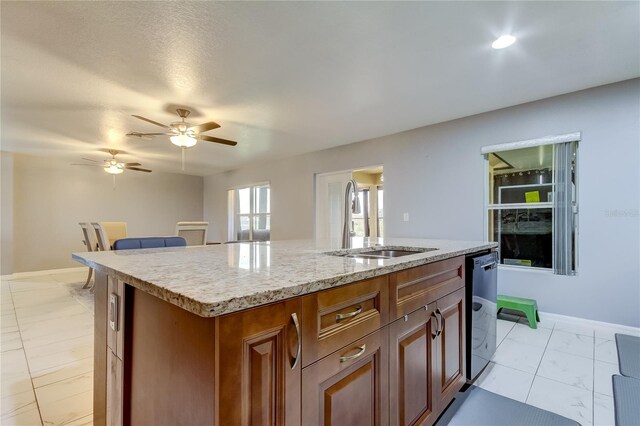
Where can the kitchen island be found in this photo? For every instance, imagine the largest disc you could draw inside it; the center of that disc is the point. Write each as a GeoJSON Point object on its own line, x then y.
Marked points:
{"type": "Point", "coordinates": [291, 332]}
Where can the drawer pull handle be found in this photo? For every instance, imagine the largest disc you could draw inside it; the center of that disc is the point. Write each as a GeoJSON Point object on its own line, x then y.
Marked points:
{"type": "Point", "coordinates": [435, 334]}
{"type": "Point", "coordinates": [440, 321]}
{"type": "Point", "coordinates": [340, 317]}
{"type": "Point", "coordinates": [362, 350]}
{"type": "Point", "coordinates": [296, 323]}
{"type": "Point", "coordinates": [113, 312]}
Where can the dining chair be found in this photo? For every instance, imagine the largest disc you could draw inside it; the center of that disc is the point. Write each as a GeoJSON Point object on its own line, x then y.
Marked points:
{"type": "Point", "coordinates": [101, 236]}
{"type": "Point", "coordinates": [108, 232]}
{"type": "Point", "coordinates": [194, 232]}
{"type": "Point", "coordinates": [88, 241]}
{"type": "Point", "coordinates": [114, 231]}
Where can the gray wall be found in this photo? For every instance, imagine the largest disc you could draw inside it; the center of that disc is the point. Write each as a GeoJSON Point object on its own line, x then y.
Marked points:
{"type": "Point", "coordinates": [49, 197]}
{"type": "Point", "coordinates": [6, 212]}
{"type": "Point", "coordinates": [435, 174]}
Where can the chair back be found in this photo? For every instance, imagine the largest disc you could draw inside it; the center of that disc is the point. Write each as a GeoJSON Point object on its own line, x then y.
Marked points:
{"type": "Point", "coordinates": [148, 242]}
{"type": "Point", "coordinates": [86, 235]}
{"type": "Point", "coordinates": [101, 236]}
{"type": "Point", "coordinates": [114, 230]}
{"type": "Point", "coordinates": [194, 232]}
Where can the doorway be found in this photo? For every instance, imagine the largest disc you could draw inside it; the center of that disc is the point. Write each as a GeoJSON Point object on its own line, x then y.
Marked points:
{"type": "Point", "coordinates": [330, 191]}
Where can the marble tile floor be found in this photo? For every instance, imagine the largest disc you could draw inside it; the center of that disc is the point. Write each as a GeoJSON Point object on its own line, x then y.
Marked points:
{"type": "Point", "coordinates": [563, 367]}
{"type": "Point", "coordinates": [47, 351]}
{"type": "Point", "coordinates": [47, 358]}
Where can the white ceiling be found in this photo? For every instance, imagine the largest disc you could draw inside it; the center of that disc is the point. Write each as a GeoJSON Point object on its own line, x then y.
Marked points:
{"type": "Point", "coordinates": [287, 78]}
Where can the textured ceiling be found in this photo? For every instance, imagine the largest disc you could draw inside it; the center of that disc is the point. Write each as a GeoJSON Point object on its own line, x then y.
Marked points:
{"type": "Point", "coordinates": [288, 77]}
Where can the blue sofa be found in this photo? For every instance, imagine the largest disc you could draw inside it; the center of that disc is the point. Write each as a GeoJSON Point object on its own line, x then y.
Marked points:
{"type": "Point", "coordinates": [148, 242]}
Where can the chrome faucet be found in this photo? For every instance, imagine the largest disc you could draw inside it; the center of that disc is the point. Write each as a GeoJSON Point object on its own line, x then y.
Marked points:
{"type": "Point", "coordinates": [351, 205]}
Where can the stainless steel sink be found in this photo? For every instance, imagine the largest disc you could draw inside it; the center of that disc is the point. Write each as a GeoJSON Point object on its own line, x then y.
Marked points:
{"type": "Point", "coordinates": [383, 253]}
{"type": "Point", "coordinates": [393, 253]}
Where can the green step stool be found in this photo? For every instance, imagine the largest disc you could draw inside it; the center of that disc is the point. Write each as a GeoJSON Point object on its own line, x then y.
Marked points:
{"type": "Point", "coordinates": [527, 306]}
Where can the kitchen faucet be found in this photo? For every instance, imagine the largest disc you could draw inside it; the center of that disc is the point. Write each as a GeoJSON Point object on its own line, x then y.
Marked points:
{"type": "Point", "coordinates": [347, 229]}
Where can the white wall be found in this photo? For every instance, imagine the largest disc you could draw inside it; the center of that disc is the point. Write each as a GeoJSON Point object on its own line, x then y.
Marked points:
{"type": "Point", "coordinates": [50, 197]}
{"type": "Point", "coordinates": [435, 174]}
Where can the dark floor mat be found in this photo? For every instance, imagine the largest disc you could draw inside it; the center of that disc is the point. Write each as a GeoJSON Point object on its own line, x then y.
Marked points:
{"type": "Point", "coordinates": [626, 398]}
{"type": "Point", "coordinates": [478, 407]}
{"type": "Point", "coordinates": [629, 355]}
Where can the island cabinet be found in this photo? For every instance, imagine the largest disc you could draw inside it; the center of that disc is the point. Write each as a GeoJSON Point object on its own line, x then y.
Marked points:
{"type": "Point", "coordinates": [108, 356]}
{"type": "Point", "coordinates": [385, 350]}
{"type": "Point", "coordinates": [258, 357]}
{"type": "Point", "coordinates": [427, 342]}
{"type": "Point", "coordinates": [345, 354]}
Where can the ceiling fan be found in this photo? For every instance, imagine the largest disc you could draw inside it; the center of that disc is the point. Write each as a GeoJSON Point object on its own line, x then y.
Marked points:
{"type": "Point", "coordinates": [113, 166]}
{"type": "Point", "coordinates": [181, 133]}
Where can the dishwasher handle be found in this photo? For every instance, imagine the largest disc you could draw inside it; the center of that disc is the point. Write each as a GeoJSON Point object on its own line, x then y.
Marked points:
{"type": "Point", "coordinates": [489, 265]}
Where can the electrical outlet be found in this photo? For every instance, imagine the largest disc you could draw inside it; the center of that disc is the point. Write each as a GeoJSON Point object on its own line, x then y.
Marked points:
{"type": "Point", "coordinates": [405, 217]}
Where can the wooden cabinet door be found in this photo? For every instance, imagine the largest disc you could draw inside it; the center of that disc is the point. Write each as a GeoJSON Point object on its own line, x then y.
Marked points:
{"type": "Point", "coordinates": [258, 366]}
{"type": "Point", "coordinates": [114, 390]}
{"type": "Point", "coordinates": [450, 347]}
{"type": "Point", "coordinates": [350, 386]}
{"type": "Point", "coordinates": [412, 363]}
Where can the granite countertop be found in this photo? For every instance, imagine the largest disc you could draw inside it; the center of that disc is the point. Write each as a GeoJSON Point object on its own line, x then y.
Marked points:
{"type": "Point", "coordinates": [219, 279]}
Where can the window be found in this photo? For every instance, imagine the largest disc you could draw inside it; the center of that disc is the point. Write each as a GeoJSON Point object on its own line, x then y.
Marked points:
{"type": "Point", "coordinates": [361, 220]}
{"type": "Point", "coordinates": [250, 213]}
{"type": "Point", "coordinates": [532, 205]}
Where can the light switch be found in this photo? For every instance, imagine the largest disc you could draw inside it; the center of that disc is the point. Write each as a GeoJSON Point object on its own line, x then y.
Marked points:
{"type": "Point", "coordinates": [405, 217]}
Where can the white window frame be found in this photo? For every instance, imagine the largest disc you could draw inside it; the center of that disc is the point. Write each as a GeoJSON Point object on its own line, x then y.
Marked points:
{"type": "Point", "coordinates": [509, 146]}
{"type": "Point", "coordinates": [232, 209]}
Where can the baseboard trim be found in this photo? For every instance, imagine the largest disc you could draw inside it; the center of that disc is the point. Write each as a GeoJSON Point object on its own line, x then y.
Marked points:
{"type": "Point", "coordinates": [589, 322]}
{"type": "Point", "coordinates": [18, 275]}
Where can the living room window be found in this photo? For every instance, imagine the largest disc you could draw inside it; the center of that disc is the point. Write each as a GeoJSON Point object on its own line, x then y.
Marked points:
{"type": "Point", "coordinates": [532, 202]}
{"type": "Point", "coordinates": [250, 213]}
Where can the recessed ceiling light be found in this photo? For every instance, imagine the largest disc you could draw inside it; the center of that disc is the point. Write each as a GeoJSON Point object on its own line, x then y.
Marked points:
{"type": "Point", "coordinates": [503, 41]}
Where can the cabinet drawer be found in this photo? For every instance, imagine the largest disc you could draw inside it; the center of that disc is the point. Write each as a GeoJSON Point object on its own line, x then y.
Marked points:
{"type": "Point", "coordinates": [350, 386]}
{"type": "Point", "coordinates": [414, 288]}
{"type": "Point", "coordinates": [334, 318]}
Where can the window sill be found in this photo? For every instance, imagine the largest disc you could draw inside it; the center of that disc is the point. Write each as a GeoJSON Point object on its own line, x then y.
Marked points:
{"type": "Point", "coordinates": [543, 271]}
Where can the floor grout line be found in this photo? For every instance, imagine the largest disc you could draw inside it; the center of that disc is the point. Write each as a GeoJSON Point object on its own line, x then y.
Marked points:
{"type": "Point", "coordinates": [31, 373]}
{"type": "Point", "coordinates": [33, 389]}
{"type": "Point", "coordinates": [540, 362]}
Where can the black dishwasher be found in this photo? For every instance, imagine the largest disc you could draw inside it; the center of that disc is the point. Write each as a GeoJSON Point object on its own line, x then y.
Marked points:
{"type": "Point", "coordinates": [481, 315]}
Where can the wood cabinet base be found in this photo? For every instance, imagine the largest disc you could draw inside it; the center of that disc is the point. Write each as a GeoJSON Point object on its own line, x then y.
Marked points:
{"type": "Point", "coordinates": [157, 364]}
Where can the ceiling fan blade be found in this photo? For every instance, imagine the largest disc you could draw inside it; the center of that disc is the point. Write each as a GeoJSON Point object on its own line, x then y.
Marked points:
{"type": "Point", "coordinates": [205, 127]}
{"type": "Point", "coordinates": [89, 159]}
{"type": "Point", "coordinates": [92, 165]}
{"type": "Point", "coordinates": [139, 134]}
{"type": "Point", "coordinates": [138, 169]}
{"type": "Point", "coordinates": [217, 140]}
{"type": "Point", "coordinates": [150, 121]}
{"type": "Point", "coordinates": [132, 164]}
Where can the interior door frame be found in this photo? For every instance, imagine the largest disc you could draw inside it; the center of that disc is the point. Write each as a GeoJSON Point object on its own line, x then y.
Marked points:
{"type": "Point", "coordinates": [317, 182]}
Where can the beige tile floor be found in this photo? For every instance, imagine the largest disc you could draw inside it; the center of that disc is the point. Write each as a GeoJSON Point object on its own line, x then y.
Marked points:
{"type": "Point", "coordinates": [47, 359]}
{"type": "Point", "coordinates": [47, 352]}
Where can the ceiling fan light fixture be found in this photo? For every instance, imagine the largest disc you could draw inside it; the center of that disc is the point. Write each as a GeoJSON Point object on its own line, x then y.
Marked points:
{"type": "Point", "coordinates": [113, 169]}
{"type": "Point", "coordinates": [503, 41]}
{"type": "Point", "coordinates": [183, 141]}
